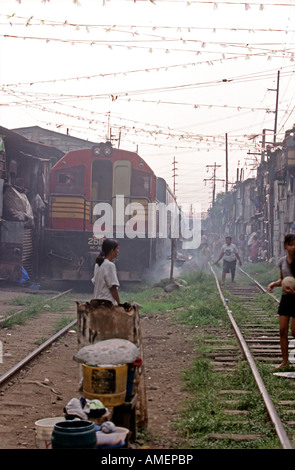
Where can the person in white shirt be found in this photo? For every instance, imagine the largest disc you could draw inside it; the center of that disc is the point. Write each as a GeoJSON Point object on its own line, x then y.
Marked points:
{"type": "Point", "coordinates": [230, 254]}
{"type": "Point", "coordinates": [105, 278]}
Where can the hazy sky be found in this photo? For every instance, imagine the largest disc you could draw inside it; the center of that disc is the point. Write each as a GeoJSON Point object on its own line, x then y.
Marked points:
{"type": "Point", "coordinates": [169, 78]}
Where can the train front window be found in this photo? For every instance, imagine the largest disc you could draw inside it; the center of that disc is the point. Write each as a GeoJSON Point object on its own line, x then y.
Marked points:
{"type": "Point", "coordinates": [101, 183]}
{"type": "Point", "coordinates": [70, 181]}
{"type": "Point", "coordinates": [140, 184]}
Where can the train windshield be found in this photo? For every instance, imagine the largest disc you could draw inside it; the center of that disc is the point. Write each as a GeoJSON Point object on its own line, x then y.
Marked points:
{"type": "Point", "coordinates": [101, 183]}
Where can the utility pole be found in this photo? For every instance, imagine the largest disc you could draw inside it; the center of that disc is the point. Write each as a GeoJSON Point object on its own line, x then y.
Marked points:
{"type": "Point", "coordinates": [174, 175]}
{"type": "Point", "coordinates": [277, 107]}
{"type": "Point", "coordinates": [213, 179]}
{"type": "Point", "coordinates": [226, 164]}
{"type": "Point", "coordinates": [263, 144]}
{"type": "Point", "coordinates": [173, 240]}
{"type": "Point", "coordinates": [109, 132]}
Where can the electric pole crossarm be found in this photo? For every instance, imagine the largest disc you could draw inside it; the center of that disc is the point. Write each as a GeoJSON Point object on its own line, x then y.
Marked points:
{"type": "Point", "coordinates": [213, 179]}
{"type": "Point", "coordinates": [174, 175]}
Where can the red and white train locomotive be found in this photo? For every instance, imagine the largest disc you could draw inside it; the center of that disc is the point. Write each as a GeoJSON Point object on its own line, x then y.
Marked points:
{"type": "Point", "coordinates": [83, 183]}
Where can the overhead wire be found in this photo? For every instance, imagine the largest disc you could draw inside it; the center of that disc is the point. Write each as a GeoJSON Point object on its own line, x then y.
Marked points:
{"type": "Point", "coordinates": [154, 90]}
{"type": "Point", "coordinates": [64, 99]}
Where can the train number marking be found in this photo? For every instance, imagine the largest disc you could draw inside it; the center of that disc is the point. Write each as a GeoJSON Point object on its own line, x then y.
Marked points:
{"type": "Point", "coordinates": [92, 241]}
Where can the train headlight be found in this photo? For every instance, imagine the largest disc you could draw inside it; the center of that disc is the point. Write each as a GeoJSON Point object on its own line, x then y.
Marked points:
{"type": "Point", "coordinates": [107, 151]}
{"type": "Point", "coordinates": [97, 151]}
{"type": "Point", "coordinates": [103, 149]}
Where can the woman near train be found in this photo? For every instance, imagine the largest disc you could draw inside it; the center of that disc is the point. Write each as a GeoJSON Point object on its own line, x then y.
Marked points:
{"type": "Point", "coordinates": [286, 309]}
{"type": "Point", "coordinates": [105, 278]}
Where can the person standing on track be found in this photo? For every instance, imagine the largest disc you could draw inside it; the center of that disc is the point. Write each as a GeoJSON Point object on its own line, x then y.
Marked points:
{"type": "Point", "coordinates": [205, 257]}
{"type": "Point", "coordinates": [286, 309]}
{"type": "Point", "coordinates": [105, 278]}
{"type": "Point", "coordinates": [230, 255]}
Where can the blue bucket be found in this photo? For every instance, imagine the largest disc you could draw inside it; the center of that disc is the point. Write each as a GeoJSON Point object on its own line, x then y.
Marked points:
{"type": "Point", "coordinates": [72, 434]}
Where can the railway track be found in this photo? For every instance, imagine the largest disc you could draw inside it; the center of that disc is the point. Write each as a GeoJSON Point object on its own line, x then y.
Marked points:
{"type": "Point", "coordinates": [31, 353]}
{"type": "Point", "coordinates": [258, 338]}
{"type": "Point", "coordinates": [17, 353]}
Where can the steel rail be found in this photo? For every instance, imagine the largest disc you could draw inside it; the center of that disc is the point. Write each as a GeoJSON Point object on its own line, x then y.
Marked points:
{"type": "Point", "coordinates": [3, 320]}
{"type": "Point", "coordinates": [281, 433]}
{"type": "Point", "coordinates": [259, 285]}
{"type": "Point", "coordinates": [16, 368]}
{"type": "Point", "coordinates": [7, 375]}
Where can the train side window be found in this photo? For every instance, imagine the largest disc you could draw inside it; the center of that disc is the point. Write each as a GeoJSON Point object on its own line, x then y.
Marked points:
{"type": "Point", "coordinates": [64, 179]}
{"type": "Point", "coordinates": [140, 184]}
{"type": "Point", "coordinates": [161, 190]}
{"type": "Point", "coordinates": [70, 181]}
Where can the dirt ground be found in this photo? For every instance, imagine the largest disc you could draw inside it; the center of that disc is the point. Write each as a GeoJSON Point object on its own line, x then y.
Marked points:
{"type": "Point", "coordinates": [43, 389]}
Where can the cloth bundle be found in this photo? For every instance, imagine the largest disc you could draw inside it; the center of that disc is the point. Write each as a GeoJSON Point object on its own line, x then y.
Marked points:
{"type": "Point", "coordinates": [84, 409]}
